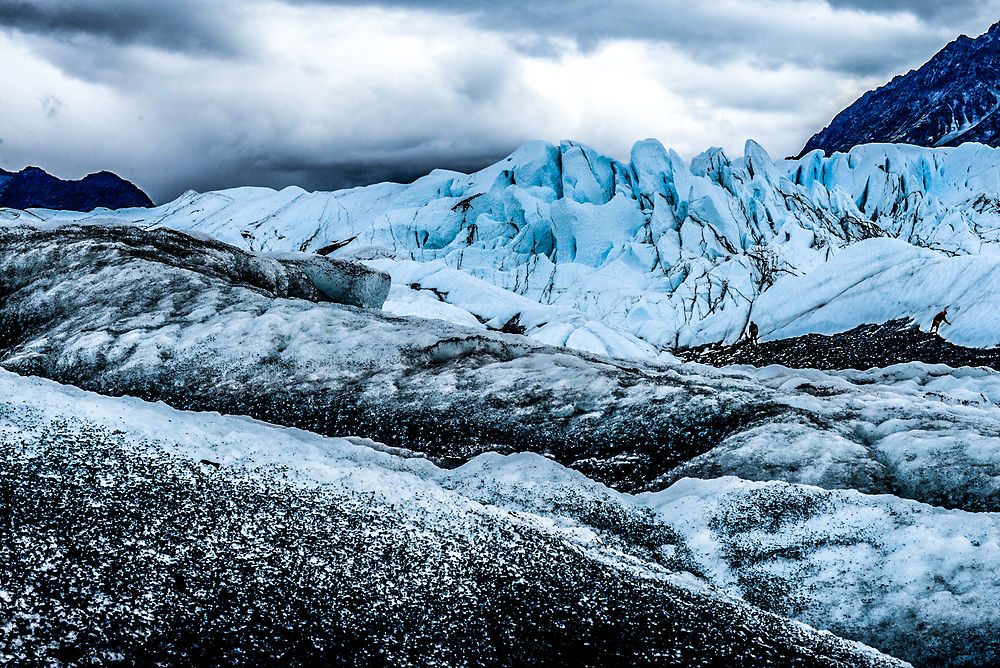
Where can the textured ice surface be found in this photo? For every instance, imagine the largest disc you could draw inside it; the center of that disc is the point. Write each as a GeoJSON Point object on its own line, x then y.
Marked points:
{"type": "Point", "coordinates": [908, 578]}
{"type": "Point", "coordinates": [653, 249]}
{"type": "Point", "coordinates": [344, 282]}
{"type": "Point", "coordinates": [876, 567]}
{"type": "Point", "coordinates": [281, 546]}
{"type": "Point", "coordinates": [201, 325]}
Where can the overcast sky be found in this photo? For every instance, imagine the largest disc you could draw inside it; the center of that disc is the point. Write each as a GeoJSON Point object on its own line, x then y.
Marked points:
{"type": "Point", "coordinates": [179, 94]}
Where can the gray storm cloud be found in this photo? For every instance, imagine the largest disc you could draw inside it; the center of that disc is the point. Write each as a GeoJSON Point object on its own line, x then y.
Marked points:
{"type": "Point", "coordinates": [774, 32]}
{"type": "Point", "coordinates": [173, 25]}
{"type": "Point", "coordinates": [177, 95]}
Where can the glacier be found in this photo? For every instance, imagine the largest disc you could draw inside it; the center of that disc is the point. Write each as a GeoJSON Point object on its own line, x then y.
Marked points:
{"type": "Point", "coordinates": [377, 557]}
{"type": "Point", "coordinates": [443, 388]}
{"type": "Point", "coordinates": [165, 316]}
{"type": "Point", "coordinates": [874, 494]}
{"type": "Point", "coordinates": [353, 536]}
{"type": "Point", "coordinates": [636, 259]}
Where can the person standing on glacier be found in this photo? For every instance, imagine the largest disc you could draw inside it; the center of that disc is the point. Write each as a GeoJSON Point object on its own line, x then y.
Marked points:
{"type": "Point", "coordinates": [752, 332]}
{"type": "Point", "coordinates": [938, 319]}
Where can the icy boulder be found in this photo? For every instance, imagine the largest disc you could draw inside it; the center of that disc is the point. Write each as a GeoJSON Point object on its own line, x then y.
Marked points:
{"type": "Point", "coordinates": [125, 247]}
{"type": "Point", "coordinates": [344, 282]}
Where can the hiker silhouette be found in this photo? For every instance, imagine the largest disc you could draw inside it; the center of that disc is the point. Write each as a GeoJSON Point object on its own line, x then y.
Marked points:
{"type": "Point", "coordinates": [938, 319]}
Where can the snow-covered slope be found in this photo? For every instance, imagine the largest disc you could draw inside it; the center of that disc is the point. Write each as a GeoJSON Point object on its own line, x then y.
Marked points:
{"type": "Point", "coordinates": [495, 451]}
{"type": "Point", "coordinates": [626, 258]}
{"type": "Point", "coordinates": [381, 556]}
{"type": "Point", "coordinates": [162, 315]}
{"type": "Point", "coordinates": [135, 534]}
{"type": "Point", "coordinates": [866, 566]}
{"type": "Point", "coordinates": [951, 99]}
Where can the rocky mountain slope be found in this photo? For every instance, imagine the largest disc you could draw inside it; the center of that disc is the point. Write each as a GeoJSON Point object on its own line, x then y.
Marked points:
{"type": "Point", "coordinates": [33, 187]}
{"type": "Point", "coordinates": [952, 99]}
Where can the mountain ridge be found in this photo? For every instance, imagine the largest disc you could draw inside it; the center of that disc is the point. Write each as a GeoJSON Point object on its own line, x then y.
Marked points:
{"type": "Point", "coordinates": [33, 187]}
{"type": "Point", "coordinates": [951, 99]}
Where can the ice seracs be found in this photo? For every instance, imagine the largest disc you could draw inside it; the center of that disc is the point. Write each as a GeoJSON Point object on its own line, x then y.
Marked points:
{"type": "Point", "coordinates": [662, 252]}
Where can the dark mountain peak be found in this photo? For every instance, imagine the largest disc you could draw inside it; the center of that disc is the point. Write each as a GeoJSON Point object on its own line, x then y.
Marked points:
{"type": "Point", "coordinates": [34, 187]}
{"type": "Point", "coordinates": [102, 177]}
{"type": "Point", "coordinates": [949, 100]}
